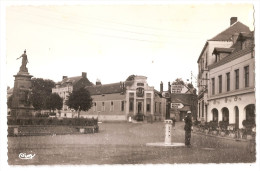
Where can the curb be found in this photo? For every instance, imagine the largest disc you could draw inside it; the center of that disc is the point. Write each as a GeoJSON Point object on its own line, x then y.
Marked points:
{"type": "Point", "coordinates": [227, 138]}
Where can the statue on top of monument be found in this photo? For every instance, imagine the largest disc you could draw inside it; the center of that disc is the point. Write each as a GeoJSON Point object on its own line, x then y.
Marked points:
{"type": "Point", "coordinates": [24, 62]}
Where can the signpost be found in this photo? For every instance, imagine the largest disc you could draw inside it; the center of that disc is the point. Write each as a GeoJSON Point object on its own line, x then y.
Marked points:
{"type": "Point", "coordinates": [177, 105]}
{"type": "Point", "coordinates": [179, 89]}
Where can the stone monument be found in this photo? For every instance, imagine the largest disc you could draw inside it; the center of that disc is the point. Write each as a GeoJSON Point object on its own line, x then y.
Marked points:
{"type": "Point", "coordinates": [21, 104]}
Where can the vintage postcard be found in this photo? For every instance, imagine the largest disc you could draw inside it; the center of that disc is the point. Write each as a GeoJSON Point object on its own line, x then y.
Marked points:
{"type": "Point", "coordinates": [129, 85]}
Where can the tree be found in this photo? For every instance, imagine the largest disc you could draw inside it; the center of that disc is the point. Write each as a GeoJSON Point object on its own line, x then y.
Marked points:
{"type": "Point", "coordinates": [130, 78]}
{"type": "Point", "coordinates": [190, 85]}
{"type": "Point", "coordinates": [41, 89]}
{"type": "Point", "coordinates": [9, 101]}
{"type": "Point", "coordinates": [53, 102]}
{"type": "Point", "coordinates": [79, 100]}
{"type": "Point", "coordinates": [178, 81]}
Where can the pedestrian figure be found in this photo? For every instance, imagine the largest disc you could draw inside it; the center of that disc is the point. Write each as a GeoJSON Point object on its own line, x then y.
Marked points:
{"type": "Point", "coordinates": [188, 128]}
{"type": "Point", "coordinates": [252, 141]}
{"type": "Point", "coordinates": [173, 122]}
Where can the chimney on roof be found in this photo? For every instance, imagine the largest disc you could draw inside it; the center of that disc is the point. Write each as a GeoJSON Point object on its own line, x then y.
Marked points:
{"type": "Point", "coordinates": [233, 20]}
{"type": "Point", "coordinates": [84, 75]}
{"type": "Point", "coordinates": [98, 82]}
{"type": "Point", "coordinates": [64, 77]}
{"type": "Point", "coordinates": [161, 87]}
{"type": "Point", "coordinates": [169, 86]}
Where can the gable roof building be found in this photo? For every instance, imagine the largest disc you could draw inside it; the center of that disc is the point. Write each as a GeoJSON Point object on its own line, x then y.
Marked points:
{"type": "Point", "coordinates": [183, 99]}
{"type": "Point", "coordinates": [66, 86]}
{"type": "Point", "coordinates": [231, 95]}
{"type": "Point", "coordinates": [214, 50]}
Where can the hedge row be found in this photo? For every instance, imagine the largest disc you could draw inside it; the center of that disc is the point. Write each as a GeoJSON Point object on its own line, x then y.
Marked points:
{"type": "Point", "coordinates": [53, 121]}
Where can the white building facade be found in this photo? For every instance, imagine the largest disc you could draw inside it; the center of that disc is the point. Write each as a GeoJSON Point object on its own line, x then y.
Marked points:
{"type": "Point", "coordinates": [231, 95]}
{"type": "Point", "coordinates": [119, 101]}
{"type": "Point", "coordinates": [225, 39]}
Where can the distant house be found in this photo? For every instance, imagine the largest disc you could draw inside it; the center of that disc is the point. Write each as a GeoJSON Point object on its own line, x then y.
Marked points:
{"type": "Point", "coordinates": [183, 99]}
{"type": "Point", "coordinates": [122, 100]}
{"type": "Point", "coordinates": [66, 86]}
{"type": "Point", "coordinates": [221, 44]}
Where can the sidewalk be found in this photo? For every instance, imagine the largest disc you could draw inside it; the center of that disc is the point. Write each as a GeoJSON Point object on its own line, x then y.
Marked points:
{"type": "Point", "coordinates": [221, 137]}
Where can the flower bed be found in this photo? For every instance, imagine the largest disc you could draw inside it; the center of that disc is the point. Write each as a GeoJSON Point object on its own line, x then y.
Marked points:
{"type": "Point", "coordinates": [224, 129]}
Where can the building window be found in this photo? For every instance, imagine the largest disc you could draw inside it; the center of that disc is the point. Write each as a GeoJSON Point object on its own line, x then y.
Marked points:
{"type": "Point", "coordinates": [148, 106]}
{"type": "Point", "coordinates": [122, 105]}
{"type": "Point", "coordinates": [237, 79]}
{"type": "Point", "coordinates": [199, 109]}
{"type": "Point", "coordinates": [140, 84]}
{"type": "Point", "coordinates": [155, 106]}
{"type": "Point", "coordinates": [246, 70]}
{"type": "Point", "coordinates": [111, 106]}
{"type": "Point", "coordinates": [206, 80]}
{"type": "Point", "coordinates": [131, 106]}
{"type": "Point", "coordinates": [216, 58]}
{"type": "Point", "coordinates": [160, 107]}
{"type": "Point", "coordinates": [220, 84]}
{"type": "Point", "coordinates": [103, 106]}
{"type": "Point", "coordinates": [94, 106]}
{"type": "Point", "coordinates": [202, 110]}
{"type": "Point", "coordinates": [206, 60]}
{"type": "Point", "coordinates": [213, 85]}
{"type": "Point", "coordinates": [228, 81]}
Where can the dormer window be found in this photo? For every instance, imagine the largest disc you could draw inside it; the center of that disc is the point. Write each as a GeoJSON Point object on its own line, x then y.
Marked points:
{"type": "Point", "coordinates": [216, 58]}
{"type": "Point", "coordinates": [221, 53]}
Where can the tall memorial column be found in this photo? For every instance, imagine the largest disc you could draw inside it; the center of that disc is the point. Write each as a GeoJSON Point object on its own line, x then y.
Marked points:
{"type": "Point", "coordinates": [21, 104]}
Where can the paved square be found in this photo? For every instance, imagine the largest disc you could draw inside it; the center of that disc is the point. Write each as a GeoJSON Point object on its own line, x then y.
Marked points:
{"type": "Point", "coordinates": [125, 143]}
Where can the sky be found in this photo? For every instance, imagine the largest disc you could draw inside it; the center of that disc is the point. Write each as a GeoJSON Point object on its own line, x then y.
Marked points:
{"type": "Point", "coordinates": [111, 42]}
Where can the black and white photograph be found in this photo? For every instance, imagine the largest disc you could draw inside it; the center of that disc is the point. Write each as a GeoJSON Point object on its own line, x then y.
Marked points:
{"type": "Point", "coordinates": [129, 84]}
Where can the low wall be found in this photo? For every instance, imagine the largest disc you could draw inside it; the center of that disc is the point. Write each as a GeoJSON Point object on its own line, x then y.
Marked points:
{"type": "Point", "coordinates": [34, 130]}
{"type": "Point", "coordinates": [107, 118]}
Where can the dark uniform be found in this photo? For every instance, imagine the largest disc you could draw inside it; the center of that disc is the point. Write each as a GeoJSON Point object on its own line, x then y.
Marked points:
{"type": "Point", "coordinates": [188, 128]}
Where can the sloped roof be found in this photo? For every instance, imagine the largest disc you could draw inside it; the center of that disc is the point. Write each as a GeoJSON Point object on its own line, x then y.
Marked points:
{"type": "Point", "coordinates": [223, 50]}
{"type": "Point", "coordinates": [158, 93]}
{"type": "Point", "coordinates": [185, 108]}
{"type": "Point", "coordinates": [73, 80]}
{"type": "Point", "coordinates": [108, 88]}
{"type": "Point", "coordinates": [232, 56]}
{"type": "Point", "coordinates": [237, 52]}
{"type": "Point", "coordinates": [181, 98]}
{"type": "Point", "coordinates": [245, 35]}
{"type": "Point", "coordinates": [226, 35]}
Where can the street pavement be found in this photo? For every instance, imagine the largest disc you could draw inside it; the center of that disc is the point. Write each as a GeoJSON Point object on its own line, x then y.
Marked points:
{"type": "Point", "coordinates": [125, 143]}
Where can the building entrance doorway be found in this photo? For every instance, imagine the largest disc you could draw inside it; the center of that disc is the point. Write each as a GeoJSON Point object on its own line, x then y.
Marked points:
{"type": "Point", "coordinates": [215, 115]}
{"type": "Point", "coordinates": [139, 107]}
{"type": "Point", "coordinates": [250, 113]}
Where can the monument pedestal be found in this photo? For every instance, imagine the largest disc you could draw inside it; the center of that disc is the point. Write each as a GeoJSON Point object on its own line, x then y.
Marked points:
{"type": "Point", "coordinates": [21, 104]}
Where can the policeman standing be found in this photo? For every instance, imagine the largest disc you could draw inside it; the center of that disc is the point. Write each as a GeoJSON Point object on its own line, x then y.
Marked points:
{"type": "Point", "coordinates": [188, 128]}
